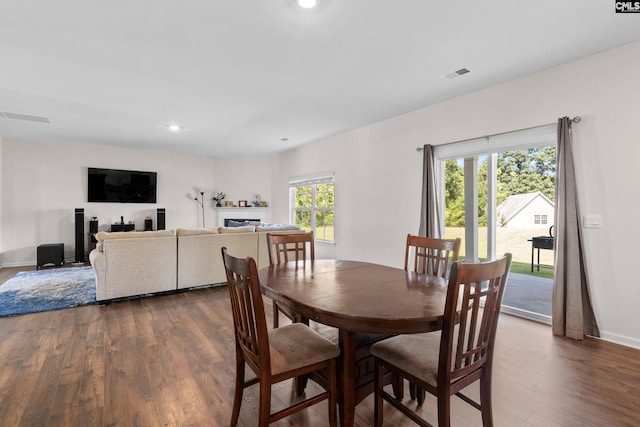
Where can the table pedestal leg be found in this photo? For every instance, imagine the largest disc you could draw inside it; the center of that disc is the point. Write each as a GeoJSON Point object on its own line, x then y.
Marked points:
{"type": "Point", "coordinates": [347, 378]}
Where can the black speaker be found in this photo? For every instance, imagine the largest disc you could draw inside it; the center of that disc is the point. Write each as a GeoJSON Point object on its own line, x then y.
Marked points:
{"type": "Point", "coordinates": [79, 235]}
{"type": "Point", "coordinates": [161, 219]}
{"type": "Point", "coordinates": [93, 225]}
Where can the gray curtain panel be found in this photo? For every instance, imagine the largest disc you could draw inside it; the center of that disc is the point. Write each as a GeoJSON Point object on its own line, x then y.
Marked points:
{"type": "Point", "coordinates": [572, 313]}
{"type": "Point", "coordinates": [429, 212]}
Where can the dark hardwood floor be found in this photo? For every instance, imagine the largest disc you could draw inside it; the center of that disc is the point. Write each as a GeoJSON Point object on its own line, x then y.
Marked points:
{"type": "Point", "coordinates": [168, 361]}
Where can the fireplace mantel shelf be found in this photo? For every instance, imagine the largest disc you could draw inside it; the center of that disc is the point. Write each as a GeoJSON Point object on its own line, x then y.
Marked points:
{"type": "Point", "coordinates": [251, 208]}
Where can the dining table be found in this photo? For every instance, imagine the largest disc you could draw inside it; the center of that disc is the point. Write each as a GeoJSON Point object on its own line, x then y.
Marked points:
{"type": "Point", "coordinates": [356, 297]}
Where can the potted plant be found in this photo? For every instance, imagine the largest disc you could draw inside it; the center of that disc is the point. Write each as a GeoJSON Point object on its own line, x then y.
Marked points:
{"type": "Point", "coordinates": [218, 198]}
{"type": "Point", "coordinates": [256, 200]}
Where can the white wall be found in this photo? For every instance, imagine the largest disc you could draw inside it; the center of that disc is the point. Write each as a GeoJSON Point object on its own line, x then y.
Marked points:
{"type": "Point", "coordinates": [242, 177]}
{"type": "Point", "coordinates": [378, 170]}
{"type": "Point", "coordinates": [43, 182]}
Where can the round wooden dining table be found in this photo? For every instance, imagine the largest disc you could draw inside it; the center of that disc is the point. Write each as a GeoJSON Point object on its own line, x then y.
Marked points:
{"type": "Point", "coordinates": [356, 297]}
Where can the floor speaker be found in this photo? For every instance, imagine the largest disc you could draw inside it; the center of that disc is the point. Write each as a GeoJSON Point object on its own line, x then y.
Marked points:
{"type": "Point", "coordinates": [161, 219]}
{"type": "Point", "coordinates": [93, 225]}
{"type": "Point", "coordinates": [79, 235]}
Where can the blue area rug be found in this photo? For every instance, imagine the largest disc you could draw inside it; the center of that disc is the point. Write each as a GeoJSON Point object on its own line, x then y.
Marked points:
{"type": "Point", "coordinates": [43, 290]}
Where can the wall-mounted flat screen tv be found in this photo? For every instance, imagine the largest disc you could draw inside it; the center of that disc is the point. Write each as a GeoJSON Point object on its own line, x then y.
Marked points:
{"type": "Point", "coordinates": [121, 186]}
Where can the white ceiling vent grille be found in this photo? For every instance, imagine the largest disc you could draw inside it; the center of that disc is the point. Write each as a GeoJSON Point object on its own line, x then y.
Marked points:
{"type": "Point", "coordinates": [27, 117]}
{"type": "Point", "coordinates": [457, 73]}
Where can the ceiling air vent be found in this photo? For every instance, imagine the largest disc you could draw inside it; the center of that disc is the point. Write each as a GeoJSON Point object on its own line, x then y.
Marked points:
{"type": "Point", "coordinates": [27, 117]}
{"type": "Point", "coordinates": [457, 73]}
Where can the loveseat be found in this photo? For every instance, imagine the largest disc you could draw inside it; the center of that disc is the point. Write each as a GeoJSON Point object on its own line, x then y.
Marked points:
{"type": "Point", "coordinates": [138, 263]}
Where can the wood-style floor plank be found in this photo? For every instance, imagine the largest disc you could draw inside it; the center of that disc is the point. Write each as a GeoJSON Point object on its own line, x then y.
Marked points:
{"type": "Point", "coordinates": [168, 361]}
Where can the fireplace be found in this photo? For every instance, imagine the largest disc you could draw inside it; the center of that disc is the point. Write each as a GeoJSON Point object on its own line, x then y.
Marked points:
{"type": "Point", "coordinates": [240, 214]}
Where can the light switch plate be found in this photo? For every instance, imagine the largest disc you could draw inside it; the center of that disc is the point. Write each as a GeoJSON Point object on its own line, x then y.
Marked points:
{"type": "Point", "coordinates": [592, 221]}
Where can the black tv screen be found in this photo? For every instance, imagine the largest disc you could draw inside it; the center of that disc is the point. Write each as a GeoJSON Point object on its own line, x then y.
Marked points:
{"type": "Point", "coordinates": [121, 186]}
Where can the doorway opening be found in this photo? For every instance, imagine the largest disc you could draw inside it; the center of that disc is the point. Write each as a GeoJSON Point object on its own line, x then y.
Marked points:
{"type": "Point", "coordinates": [501, 200]}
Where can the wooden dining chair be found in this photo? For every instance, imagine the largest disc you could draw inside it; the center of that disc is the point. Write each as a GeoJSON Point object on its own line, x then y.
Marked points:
{"type": "Point", "coordinates": [433, 256]}
{"type": "Point", "coordinates": [274, 355]}
{"type": "Point", "coordinates": [299, 247]}
{"type": "Point", "coordinates": [284, 248]}
{"type": "Point", "coordinates": [445, 362]}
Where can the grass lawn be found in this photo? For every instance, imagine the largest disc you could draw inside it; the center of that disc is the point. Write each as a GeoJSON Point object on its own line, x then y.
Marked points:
{"type": "Point", "coordinates": [514, 241]}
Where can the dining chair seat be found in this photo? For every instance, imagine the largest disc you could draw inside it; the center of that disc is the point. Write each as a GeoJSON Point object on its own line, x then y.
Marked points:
{"type": "Point", "coordinates": [416, 354]}
{"type": "Point", "coordinates": [295, 345]}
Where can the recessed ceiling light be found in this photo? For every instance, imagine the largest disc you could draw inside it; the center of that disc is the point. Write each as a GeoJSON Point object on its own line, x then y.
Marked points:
{"type": "Point", "coordinates": [307, 4]}
{"type": "Point", "coordinates": [174, 128]}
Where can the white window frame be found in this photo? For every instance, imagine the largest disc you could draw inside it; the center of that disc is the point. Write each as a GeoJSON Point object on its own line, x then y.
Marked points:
{"type": "Point", "coordinates": [314, 180]}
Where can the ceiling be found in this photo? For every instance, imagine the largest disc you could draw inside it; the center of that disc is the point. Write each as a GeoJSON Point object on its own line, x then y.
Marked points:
{"type": "Point", "coordinates": [259, 76]}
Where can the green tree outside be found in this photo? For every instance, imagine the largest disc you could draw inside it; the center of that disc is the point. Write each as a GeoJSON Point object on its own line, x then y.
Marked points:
{"type": "Point", "coordinates": [519, 172]}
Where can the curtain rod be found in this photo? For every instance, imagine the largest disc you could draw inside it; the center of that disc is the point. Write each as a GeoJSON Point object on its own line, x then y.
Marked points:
{"type": "Point", "coordinates": [576, 119]}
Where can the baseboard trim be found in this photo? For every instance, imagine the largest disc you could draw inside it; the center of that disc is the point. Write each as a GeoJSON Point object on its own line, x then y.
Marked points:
{"type": "Point", "coordinates": [620, 339]}
{"type": "Point", "coordinates": [529, 315]}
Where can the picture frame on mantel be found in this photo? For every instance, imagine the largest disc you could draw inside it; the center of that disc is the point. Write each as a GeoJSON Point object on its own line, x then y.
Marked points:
{"type": "Point", "coordinates": [242, 203]}
{"type": "Point", "coordinates": [228, 204]}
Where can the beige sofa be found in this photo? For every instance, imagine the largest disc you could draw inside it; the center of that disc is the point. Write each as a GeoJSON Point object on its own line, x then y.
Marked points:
{"type": "Point", "coordinates": [132, 263]}
{"type": "Point", "coordinates": [138, 263]}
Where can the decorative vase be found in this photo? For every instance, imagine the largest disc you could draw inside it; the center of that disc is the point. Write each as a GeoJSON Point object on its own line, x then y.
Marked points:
{"type": "Point", "coordinates": [218, 205]}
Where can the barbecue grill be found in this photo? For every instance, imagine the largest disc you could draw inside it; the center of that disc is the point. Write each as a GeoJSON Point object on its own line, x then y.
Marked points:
{"type": "Point", "coordinates": [540, 242]}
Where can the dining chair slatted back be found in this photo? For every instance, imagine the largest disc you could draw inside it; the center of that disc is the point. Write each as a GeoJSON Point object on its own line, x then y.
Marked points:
{"type": "Point", "coordinates": [474, 298]}
{"type": "Point", "coordinates": [287, 247]}
{"type": "Point", "coordinates": [430, 255]}
{"type": "Point", "coordinates": [246, 306]}
{"type": "Point", "coordinates": [289, 352]}
{"type": "Point", "coordinates": [445, 362]}
{"type": "Point", "coordinates": [290, 247]}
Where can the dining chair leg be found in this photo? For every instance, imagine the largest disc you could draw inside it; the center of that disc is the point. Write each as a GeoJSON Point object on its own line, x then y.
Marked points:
{"type": "Point", "coordinates": [397, 382]}
{"type": "Point", "coordinates": [416, 393]}
{"type": "Point", "coordinates": [444, 410]}
{"type": "Point", "coordinates": [300, 384]}
{"type": "Point", "coordinates": [332, 384]}
{"type": "Point", "coordinates": [378, 382]}
{"type": "Point", "coordinates": [485, 401]}
{"type": "Point", "coordinates": [264, 410]}
{"type": "Point", "coordinates": [237, 396]}
{"type": "Point", "coordinates": [276, 315]}
{"type": "Point", "coordinates": [420, 394]}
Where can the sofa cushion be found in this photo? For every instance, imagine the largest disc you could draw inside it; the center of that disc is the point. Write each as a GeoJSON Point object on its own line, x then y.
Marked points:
{"type": "Point", "coordinates": [277, 227]}
{"type": "Point", "coordinates": [195, 231]}
{"type": "Point", "coordinates": [105, 235]}
{"type": "Point", "coordinates": [241, 229]}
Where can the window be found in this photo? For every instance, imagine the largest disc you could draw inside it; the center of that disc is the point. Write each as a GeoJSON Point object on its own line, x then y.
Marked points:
{"type": "Point", "coordinates": [312, 205]}
{"type": "Point", "coordinates": [539, 219]}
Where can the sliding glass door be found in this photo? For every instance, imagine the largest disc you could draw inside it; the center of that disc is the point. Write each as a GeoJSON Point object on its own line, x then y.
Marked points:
{"type": "Point", "coordinates": [499, 197]}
